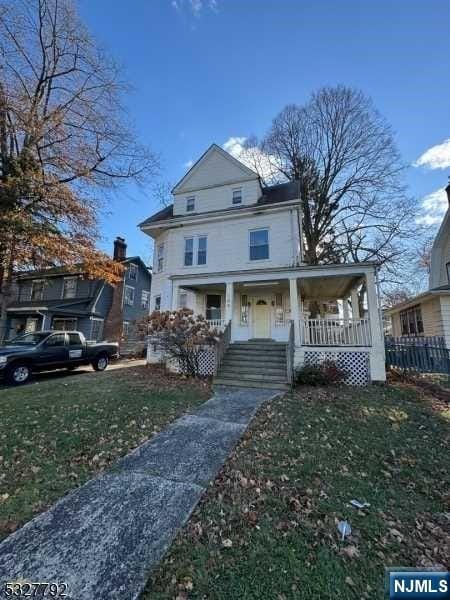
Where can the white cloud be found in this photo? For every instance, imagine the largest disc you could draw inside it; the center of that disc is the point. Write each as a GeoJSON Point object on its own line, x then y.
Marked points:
{"type": "Point", "coordinates": [436, 157]}
{"type": "Point", "coordinates": [188, 164]}
{"type": "Point", "coordinates": [433, 208]}
{"type": "Point", "coordinates": [253, 158]}
{"type": "Point", "coordinates": [196, 7]}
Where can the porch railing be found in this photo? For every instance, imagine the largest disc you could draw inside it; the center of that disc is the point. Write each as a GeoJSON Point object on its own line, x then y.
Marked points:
{"type": "Point", "coordinates": [335, 332]}
{"type": "Point", "coordinates": [222, 346]}
{"type": "Point", "coordinates": [216, 323]}
{"type": "Point", "coordinates": [290, 350]}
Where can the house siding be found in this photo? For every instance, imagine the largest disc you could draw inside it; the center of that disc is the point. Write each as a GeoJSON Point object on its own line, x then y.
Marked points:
{"type": "Point", "coordinates": [218, 198]}
{"type": "Point", "coordinates": [228, 248]}
{"type": "Point", "coordinates": [431, 317]}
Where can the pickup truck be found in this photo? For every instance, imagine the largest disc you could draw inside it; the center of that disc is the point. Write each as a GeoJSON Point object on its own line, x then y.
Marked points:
{"type": "Point", "coordinates": [47, 350]}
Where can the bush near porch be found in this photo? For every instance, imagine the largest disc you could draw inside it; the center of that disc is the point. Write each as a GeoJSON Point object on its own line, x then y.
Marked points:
{"type": "Point", "coordinates": [267, 527]}
{"type": "Point", "coordinates": [61, 431]}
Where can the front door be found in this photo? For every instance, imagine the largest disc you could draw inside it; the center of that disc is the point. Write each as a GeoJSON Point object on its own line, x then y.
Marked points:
{"type": "Point", "coordinates": [261, 320]}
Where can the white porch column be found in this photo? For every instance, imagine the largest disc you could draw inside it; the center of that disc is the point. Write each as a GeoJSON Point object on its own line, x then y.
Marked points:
{"type": "Point", "coordinates": [229, 300]}
{"type": "Point", "coordinates": [295, 312]}
{"type": "Point", "coordinates": [355, 304]}
{"type": "Point", "coordinates": [345, 309]}
{"type": "Point", "coordinates": [377, 356]}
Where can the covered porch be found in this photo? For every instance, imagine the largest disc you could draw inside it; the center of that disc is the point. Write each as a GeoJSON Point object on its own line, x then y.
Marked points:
{"type": "Point", "coordinates": [322, 309]}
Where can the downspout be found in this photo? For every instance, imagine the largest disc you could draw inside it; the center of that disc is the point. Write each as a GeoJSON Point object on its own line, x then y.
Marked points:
{"type": "Point", "coordinates": [43, 319]}
{"type": "Point", "coordinates": [380, 313]}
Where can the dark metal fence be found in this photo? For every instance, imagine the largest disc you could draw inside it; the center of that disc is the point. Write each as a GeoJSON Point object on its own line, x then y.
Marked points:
{"type": "Point", "coordinates": [424, 354]}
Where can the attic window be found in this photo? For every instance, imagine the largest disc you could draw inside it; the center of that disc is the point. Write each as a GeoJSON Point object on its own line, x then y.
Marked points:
{"type": "Point", "coordinates": [237, 196]}
{"type": "Point", "coordinates": [448, 271]}
{"type": "Point", "coordinates": [190, 204]}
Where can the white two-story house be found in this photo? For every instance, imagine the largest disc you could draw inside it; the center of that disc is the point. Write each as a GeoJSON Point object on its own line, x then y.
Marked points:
{"type": "Point", "coordinates": [231, 250]}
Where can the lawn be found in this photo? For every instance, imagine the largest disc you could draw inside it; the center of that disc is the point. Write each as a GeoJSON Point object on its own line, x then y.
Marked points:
{"type": "Point", "coordinates": [57, 433]}
{"type": "Point", "coordinates": [267, 528]}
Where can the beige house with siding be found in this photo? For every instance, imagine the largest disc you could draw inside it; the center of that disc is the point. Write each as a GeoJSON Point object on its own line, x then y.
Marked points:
{"type": "Point", "coordinates": [428, 314]}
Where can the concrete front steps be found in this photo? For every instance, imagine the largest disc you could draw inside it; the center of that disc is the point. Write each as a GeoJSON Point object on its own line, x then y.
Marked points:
{"type": "Point", "coordinates": [256, 364]}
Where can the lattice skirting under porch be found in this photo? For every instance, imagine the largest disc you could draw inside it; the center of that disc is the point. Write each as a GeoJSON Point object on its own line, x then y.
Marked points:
{"type": "Point", "coordinates": [207, 361]}
{"type": "Point", "coordinates": [355, 363]}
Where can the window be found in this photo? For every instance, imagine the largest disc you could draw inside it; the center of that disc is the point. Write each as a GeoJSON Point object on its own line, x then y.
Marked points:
{"type": "Point", "coordinates": [195, 247]}
{"type": "Point", "coordinates": [237, 196]}
{"type": "Point", "coordinates": [213, 311]}
{"type": "Point", "coordinates": [259, 244]}
{"type": "Point", "coordinates": [182, 301]}
{"type": "Point", "coordinates": [126, 328]}
{"type": "Point", "coordinates": [59, 339]}
{"type": "Point", "coordinates": [160, 258]}
{"type": "Point", "coordinates": [69, 287]}
{"type": "Point", "coordinates": [132, 272]}
{"type": "Point", "coordinates": [188, 252]}
{"type": "Point", "coordinates": [37, 290]}
{"type": "Point", "coordinates": [448, 271]}
{"type": "Point", "coordinates": [157, 302]}
{"type": "Point", "coordinates": [411, 321]}
{"type": "Point", "coordinates": [97, 329]}
{"type": "Point", "coordinates": [74, 339]}
{"type": "Point", "coordinates": [62, 324]}
{"type": "Point", "coordinates": [129, 295]}
{"type": "Point", "coordinates": [279, 312]}
{"type": "Point", "coordinates": [190, 204]}
{"type": "Point", "coordinates": [201, 253]}
{"type": "Point", "coordinates": [244, 309]}
{"type": "Point", "coordinates": [145, 299]}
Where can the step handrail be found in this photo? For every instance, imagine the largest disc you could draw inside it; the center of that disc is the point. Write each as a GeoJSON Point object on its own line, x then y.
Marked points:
{"type": "Point", "coordinates": [290, 351]}
{"type": "Point", "coordinates": [222, 346]}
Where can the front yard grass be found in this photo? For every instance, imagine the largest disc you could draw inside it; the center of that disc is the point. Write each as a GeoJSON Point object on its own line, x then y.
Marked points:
{"type": "Point", "coordinates": [57, 433]}
{"type": "Point", "coordinates": [267, 528]}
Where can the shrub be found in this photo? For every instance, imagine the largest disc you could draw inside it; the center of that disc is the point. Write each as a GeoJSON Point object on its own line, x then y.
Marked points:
{"type": "Point", "coordinates": [181, 335]}
{"type": "Point", "coordinates": [327, 373]}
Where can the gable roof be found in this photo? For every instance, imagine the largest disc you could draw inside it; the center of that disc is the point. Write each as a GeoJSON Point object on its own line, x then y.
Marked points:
{"type": "Point", "coordinates": [246, 171]}
{"type": "Point", "coordinates": [273, 194]}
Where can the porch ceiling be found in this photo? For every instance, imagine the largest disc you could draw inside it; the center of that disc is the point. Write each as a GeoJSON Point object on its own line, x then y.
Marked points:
{"type": "Point", "coordinates": [328, 288]}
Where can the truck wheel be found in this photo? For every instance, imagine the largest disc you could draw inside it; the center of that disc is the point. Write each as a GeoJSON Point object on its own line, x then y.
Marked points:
{"type": "Point", "coordinates": [101, 362]}
{"type": "Point", "coordinates": [18, 374]}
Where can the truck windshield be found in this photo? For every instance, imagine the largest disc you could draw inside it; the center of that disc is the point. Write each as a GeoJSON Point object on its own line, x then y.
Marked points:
{"type": "Point", "coordinates": [29, 339]}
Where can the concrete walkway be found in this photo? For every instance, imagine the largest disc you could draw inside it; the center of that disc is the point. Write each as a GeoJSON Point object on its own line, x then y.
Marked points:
{"type": "Point", "coordinates": [103, 539]}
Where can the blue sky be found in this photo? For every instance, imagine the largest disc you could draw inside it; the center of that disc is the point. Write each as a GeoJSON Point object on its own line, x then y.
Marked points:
{"type": "Point", "coordinates": [206, 71]}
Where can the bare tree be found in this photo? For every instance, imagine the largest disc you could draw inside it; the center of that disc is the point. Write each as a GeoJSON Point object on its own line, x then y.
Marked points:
{"type": "Point", "coordinates": [64, 138]}
{"type": "Point", "coordinates": [343, 154]}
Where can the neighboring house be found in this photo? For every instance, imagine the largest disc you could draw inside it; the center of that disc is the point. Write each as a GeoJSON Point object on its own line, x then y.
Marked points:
{"type": "Point", "coordinates": [231, 250]}
{"type": "Point", "coordinates": [428, 314]}
{"type": "Point", "coordinates": [61, 298]}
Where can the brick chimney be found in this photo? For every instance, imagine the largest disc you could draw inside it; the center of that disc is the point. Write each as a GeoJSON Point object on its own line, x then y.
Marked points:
{"type": "Point", "coordinates": [120, 249]}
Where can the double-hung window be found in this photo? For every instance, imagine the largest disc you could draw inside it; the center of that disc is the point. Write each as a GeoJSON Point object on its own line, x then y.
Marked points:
{"type": "Point", "coordinates": [160, 258]}
{"type": "Point", "coordinates": [188, 252]}
{"type": "Point", "coordinates": [190, 204]}
{"type": "Point", "coordinates": [201, 250]}
{"type": "Point", "coordinates": [145, 299]}
{"type": "Point", "coordinates": [195, 250]}
{"type": "Point", "coordinates": [129, 295]}
{"type": "Point", "coordinates": [157, 302]}
{"type": "Point", "coordinates": [411, 321]}
{"type": "Point", "coordinates": [132, 272]}
{"type": "Point", "coordinates": [237, 196]}
{"type": "Point", "coordinates": [259, 244]}
{"type": "Point", "coordinates": [37, 289]}
{"type": "Point", "coordinates": [69, 287]}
